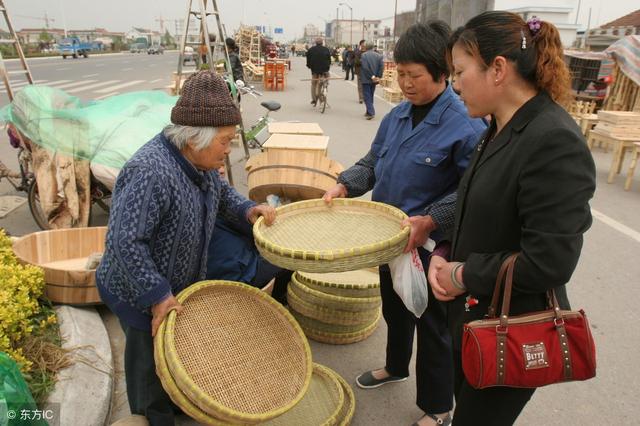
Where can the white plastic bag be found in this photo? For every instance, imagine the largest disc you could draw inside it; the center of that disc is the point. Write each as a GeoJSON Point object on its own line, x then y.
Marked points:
{"type": "Point", "coordinates": [410, 281]}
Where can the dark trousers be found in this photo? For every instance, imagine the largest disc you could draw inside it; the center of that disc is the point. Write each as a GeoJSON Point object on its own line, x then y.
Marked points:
{"type": "Point", "coordinates": [498, 406]}
{"type": "Point", "coordinates": [434, 362]}
{"type": "Point", "coordinates": [349, 68]}
{"type": "Point", "coordinates": [144, 390]}
{"type": "Point", "coordinates": [265, 272]}
{"type": "Point", "coordinates": [368, 90]}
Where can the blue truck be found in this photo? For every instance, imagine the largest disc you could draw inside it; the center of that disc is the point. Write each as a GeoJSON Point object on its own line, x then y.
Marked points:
{"type": "Point", "coordinates": [72, 46]}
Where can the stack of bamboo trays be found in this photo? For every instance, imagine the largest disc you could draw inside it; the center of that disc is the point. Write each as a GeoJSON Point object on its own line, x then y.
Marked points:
{"type": "Point", "coordinates": [619, 124]}
{"type": "Point", "coordinates": [336, 308]}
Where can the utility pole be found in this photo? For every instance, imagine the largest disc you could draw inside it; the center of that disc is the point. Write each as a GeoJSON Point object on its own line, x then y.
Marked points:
{"type": "Point", "coordinates": [395, 22]}
{"type": "Point", "coordinates": [350, 21]}
{"type": "Point", "coordinates": [337, 26]}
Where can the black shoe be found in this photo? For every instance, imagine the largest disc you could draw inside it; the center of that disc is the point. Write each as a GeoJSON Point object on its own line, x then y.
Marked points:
{"type": "Point", "coordinates": [360, 101]}
{"type": "Point", "coordinates": [369, 117]}
{"type": "Point", "coordinates": [313, 103]}
{"type": "Point", "coordinates": [367, 381]}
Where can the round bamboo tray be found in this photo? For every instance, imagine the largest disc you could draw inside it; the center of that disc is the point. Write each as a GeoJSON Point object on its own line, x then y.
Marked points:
{"type": "Point", "coordinates": [236, 353]}
{"type": "Point", "coordinates": [340, 338]}
{"type": "Point", "coordinates": [354, 304]}
{"type": "Point", "coordinates": [169, 385]}
{"type": "Point", "coordinates": [349, 406]}
{"type": "Point", "coordinates": [314, 324]}
{"type": "Point", "coordinates": [328, 315]}
{"type": "Point", "coordinates": [320, 406]}
{"type": "Point", "coordinates": [348, 235]}
{"type": "Point", "coordinates": [62, 254]}
{"type": "Point", "coordinates": [360, 283]}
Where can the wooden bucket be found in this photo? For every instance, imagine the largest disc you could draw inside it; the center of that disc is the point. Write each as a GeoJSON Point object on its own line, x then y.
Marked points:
{"type": "Point", "coordinates": [62, 254]}
{"type": "Point", "coordinates": [292, 174]}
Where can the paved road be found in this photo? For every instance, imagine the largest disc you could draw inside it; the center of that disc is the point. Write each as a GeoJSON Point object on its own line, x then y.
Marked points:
{"type": "Point", "coordinates": [605, 283]}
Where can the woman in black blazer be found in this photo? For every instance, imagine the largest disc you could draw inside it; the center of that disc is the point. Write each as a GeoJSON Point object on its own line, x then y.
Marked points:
{"type": "Point", "coordinates": [526, 190]}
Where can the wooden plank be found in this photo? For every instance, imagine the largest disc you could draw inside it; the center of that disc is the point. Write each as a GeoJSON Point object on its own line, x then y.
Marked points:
{"type": "Point", "coordinates": [309, 142]}
{"type": "Point", "coordinates": [296, 128]}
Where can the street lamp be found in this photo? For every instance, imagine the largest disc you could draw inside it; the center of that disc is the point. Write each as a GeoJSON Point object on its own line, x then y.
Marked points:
{"type": "Point", "coordinates": [350, 22]}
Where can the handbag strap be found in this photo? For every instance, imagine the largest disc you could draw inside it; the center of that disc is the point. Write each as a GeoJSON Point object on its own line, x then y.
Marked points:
{"type": "Point", "coordinates": [506, 296]}
{"type": "Point", "coordinates": [496, 291]}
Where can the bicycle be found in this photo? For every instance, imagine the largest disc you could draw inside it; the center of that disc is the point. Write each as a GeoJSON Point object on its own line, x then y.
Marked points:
{"type": "Point", "coordinates": [323, 91]}
{"type": "Point", "coordinates": [258, 133]}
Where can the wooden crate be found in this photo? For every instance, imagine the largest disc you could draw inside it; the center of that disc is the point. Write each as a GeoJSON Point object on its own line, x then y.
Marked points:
{"type": "Point", "coordinates": [308, 143]}
{"type": "Point", "coordinates": [620, 118]}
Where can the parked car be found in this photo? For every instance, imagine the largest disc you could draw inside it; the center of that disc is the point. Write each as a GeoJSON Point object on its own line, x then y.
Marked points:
{"type": "Point", "coordinates": [155, 50]}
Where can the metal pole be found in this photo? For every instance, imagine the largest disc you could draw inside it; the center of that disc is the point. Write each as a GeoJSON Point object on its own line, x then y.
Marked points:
{"type": "Point", "coordinates": [337, 26]}
{"type": "Point", "coordinates": [395, 22]}
{"type": "Point", "coordinates": [351, 26]}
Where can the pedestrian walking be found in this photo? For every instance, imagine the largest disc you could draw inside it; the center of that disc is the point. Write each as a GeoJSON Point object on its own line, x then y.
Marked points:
{"type": "Point", "coordinates": [371, 68]}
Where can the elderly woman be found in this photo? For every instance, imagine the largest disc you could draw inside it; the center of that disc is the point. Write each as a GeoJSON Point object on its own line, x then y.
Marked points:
{"type": "Point", "coordinates": [165, 203]}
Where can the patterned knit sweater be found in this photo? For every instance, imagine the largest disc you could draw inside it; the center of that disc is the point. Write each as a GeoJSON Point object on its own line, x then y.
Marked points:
{"type": "Point", "coordinates": [162, 217]}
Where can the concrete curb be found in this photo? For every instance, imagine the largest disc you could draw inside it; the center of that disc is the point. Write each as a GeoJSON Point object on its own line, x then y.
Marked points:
{"type": "Point", "coordinates": [82, 395]}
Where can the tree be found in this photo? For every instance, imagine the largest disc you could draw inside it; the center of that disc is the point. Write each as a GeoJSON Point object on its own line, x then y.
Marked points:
{"type": "Point", "coordinates": [45, 37]}
{"type": "Point", "coordinates": [167, 39]}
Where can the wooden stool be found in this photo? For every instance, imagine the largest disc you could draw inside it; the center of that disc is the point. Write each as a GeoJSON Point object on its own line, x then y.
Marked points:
{"type": "Point", "coordinates": [632, 166]}
{"type": "Point", "coordinates": [621, 145]}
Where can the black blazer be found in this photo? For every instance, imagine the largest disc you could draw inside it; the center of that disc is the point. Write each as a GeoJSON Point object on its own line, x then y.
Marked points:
{"type": "Point", "coordinates": [527, 190]}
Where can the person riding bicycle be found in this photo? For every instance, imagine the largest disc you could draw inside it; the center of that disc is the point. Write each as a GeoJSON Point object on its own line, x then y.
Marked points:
{"type": "Point", "coordinates": [318, 61]}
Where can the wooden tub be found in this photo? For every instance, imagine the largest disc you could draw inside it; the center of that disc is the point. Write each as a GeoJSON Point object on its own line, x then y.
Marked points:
{"type": "Point", "coordinates": [63, 253]}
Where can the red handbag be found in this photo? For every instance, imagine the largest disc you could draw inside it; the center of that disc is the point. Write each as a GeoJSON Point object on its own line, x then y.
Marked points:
{"type": "Point", "coordinates": [530, 350]}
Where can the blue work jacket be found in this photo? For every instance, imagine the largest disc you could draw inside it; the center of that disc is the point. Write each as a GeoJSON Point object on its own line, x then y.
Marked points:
{"type": "Point", "coordinates": [417, 166]}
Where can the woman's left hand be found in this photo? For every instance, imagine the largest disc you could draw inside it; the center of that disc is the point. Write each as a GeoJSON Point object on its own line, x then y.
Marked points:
{"type": "Point", "coordinates": [268, 212]}
{"type": "Point", "coordinates": [443, 277]}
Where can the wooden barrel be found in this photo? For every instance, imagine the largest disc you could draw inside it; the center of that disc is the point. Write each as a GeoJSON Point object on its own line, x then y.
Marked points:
{"type": "Point", "coordinates": [292, 174]}
{"type": "Point", "coordinates": [62, 254]}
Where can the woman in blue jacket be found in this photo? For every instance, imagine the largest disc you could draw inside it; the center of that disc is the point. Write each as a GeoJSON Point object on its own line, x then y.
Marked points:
{"type": "Point", "coordinates": [417, 158]}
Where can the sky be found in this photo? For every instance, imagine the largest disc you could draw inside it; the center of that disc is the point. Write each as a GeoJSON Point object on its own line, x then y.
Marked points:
{"type": "Point", "coordinates": [292, 16]}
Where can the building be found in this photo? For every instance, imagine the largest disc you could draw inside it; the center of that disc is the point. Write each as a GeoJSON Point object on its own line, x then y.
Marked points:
{"type": "Point", "coordinates": [152, 37]}
{"type": "Point", "coordinates": [601, 38]}
{"type": "Point", "coordinates": [559, 13]}
{"type": "Point", "coordinates": [33, 36]}
{"type": "Point", "coordinates": [346, 31]}
{"type": "Point", "coordinates": [311, 32]}
{"type": "Point", "coordinates": [453, 12]}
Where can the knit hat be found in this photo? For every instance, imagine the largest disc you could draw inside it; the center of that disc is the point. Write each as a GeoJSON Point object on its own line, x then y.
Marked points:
{"type": "Point", "coordinates": [205, 102]}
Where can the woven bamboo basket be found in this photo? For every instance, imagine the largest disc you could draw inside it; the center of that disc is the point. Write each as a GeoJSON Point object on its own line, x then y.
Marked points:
{"type": "Point", "coordinates": [320, 406]}
{"type": "Point", "coordinates": [348, 235]}
{"type": "Point", "coordinates": [354, 304]}
{"type": "Point", "coordinates": [63, 254]}
{"type": "Point", "coordinates": [360, 283]}
{"type": "Point", "coordinates": [349, 406]}
{"type": "Point", "coordinates": [169, 385]}
{"type": "Point", "coordinates": [328, 315]}
{"type": "Point", "coordinates": [314, 324]}
{"type": "Point", "coordinates": [340, 338]}
{"type": "Point", "coordinates": [236, 353]}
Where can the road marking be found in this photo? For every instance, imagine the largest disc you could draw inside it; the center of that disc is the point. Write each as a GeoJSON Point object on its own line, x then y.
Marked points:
{"type": "Point", "coordinates": [93, 86]}
{"type": "Point", "coordinates": [119, 86]}
{"type": "Point", "coordinates": [62, 69]}
{"type": "Point", "coordinates": [89, 75]}
{"type": "Point", "coordinates": [152, 65]}
{"type": "Point", "coordinates": [127, 69]}
{"type": "Point", "coordinates": [21, 84]}
{"type": "Point", "coordinates": [156, 80]}
{"type": "Point", "coordinates": [57, 82]}
{"type": "Point", "coordinates": [99, 65]}
{"type": "Point", "coordinates": [624, 229]}
{"type": "Point", "coordinates": [75, 83]}
{"type": "Point", "coordinates": [106, 96]}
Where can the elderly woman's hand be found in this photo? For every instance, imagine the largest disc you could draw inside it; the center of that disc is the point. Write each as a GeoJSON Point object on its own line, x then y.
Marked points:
{"type": "Point", "coordinates": [268, 212]}
{"type": "Point", "coordinates": [338, 191]}
{"type": "Point", "coordinates": [161, 310]}
{"type": "Point", "coordinates": [421, 228]}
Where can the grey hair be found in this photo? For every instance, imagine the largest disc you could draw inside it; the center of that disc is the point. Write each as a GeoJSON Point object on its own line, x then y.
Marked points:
{"type": "Point", "coordinates": [180, 136]}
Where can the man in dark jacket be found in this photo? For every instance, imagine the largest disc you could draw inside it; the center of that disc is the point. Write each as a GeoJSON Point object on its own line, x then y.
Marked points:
{"type": "Point", "coordinates": [234, 60]}
{"type": "Point", "coordinates": [371, 68]}
{"type": "Point", "coordinates": [318, 61]}
{"type": "Point", "coordinates": [357, 56]}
